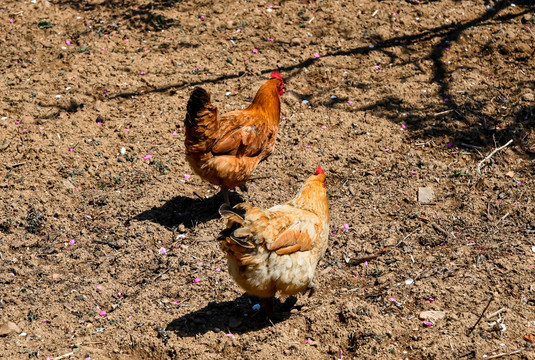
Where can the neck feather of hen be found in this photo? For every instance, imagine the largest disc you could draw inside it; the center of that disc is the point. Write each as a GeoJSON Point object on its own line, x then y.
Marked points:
{"type": "Point", "coordinates": [312, 197]}
{"type": "Point", "coordinates": [267, 100]}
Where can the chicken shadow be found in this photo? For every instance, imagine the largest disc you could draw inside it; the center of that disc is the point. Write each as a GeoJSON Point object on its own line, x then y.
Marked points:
{"type": "Point", "coordinates": [187, 211]}
{"type": "Point", "coordinates": [236, 316]}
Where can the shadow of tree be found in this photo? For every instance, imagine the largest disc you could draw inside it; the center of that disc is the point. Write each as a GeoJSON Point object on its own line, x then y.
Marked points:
{"type": "Point", "coordinates": [236, 316]}
{"type": "Point", "coordinates": [187, 211]}
{"type": "Point", "coordinates": [129, 12]}
{"type": "Point", "coordinates": [434, 42]}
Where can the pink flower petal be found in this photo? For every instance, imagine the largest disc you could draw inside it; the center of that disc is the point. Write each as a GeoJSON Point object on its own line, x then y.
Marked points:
{"type": "Point", "coordinates": [377, 67]}
{"type": "Point", "coordinates": [102, 313]}
{"type": "Point", "coordinates": [403, 127]}
{"type": "Point", "coordinates": [431, 299]}
{"type": "Point", "coordinates": [99, 287]}
{"type": "Point", "coordinates": [187, 176]}
{"type": "Point", "coordinates": [349, 102]}
{"type": "Point", "coordinates": [230, 335]}
{"type": "Point", "coordinates": [428, 323]}
{"type": "Point", "coordinates": [308, 341]}
{"type": "Point", "coordinates": [71, 242]}
{"type": "Point", "coordinates": [392, 299]}
{"type": "Point", "coordinates": [316, 55]}
{"type": "Point", "coordinates": [67, 42]}
{"type": "Point", "coordinates": [162, 250]}
{"type": "Point", "coordinates": [346, 226]}
{"type": "Point", "coordinates": [255, 51]}
{"type": "Point", "coordinates": [324, 127]}
{"type": "Point", "coordinates": [146, 157]}
{"type": "Point", "coordinates": [217, 269]}
{"type": "Point", "coordinates": [196, 280]}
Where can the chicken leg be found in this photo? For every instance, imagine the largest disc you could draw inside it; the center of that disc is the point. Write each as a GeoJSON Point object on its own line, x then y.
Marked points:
{"type": "Point", "coordinates": [225, 195]}
{"type": "Point", "coordinates": [311, 288]}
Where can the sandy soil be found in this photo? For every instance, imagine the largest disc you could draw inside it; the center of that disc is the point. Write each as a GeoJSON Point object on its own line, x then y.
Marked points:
{"type": "Point", "coordinates": [388, 96]}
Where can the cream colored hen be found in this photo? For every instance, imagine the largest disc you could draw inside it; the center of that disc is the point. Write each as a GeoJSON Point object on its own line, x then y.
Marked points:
{"type": "Point", "coordinates": [277, 250]}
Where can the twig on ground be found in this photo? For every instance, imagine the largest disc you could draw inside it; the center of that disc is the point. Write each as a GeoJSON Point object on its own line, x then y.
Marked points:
{"type": "Point", "coordinates": [199, 196]}
{"type": "Point", "coordinates": [496, 313]}
{"type": "Point", "coordinates": [507, 353]}
{"type": "Point", "coordinates": [406, 237]}
{"type": "Point", "coordinates": [470, 146]}
{"type": "Point", "coordinates": [440, 229]}
{"type": "Point", "coordinates": [481, 316]}
{"type": "Point", "coordinates": [110, 244]}
{"type": "Point", "coordinates": [368, 258]}
{"type": "Point", "coordinates": [491, 154]}
{"type": "Point", "coordinates": [15, 165]}
{"type": "Point", "coordinates": [443, 112]}
{"type": "Point", "coordinates": [64, 356]}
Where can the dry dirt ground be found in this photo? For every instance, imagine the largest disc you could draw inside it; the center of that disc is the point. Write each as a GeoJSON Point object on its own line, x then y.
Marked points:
{"type": "Point", "coordinates": [388, 96]}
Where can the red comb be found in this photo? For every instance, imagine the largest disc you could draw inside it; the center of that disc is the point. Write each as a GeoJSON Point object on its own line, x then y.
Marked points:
{"type": "Point", "coordinates": [319, 170]}
{"type": "Point", "coordinates": [276, 75]}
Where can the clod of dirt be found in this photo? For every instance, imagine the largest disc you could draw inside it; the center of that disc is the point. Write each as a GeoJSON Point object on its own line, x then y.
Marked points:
{"type": "Point", "coordinates": [68, 185]}
{"type": "Point", "coordinates": [426, 195]}
{"type": "Point", "coordinates": [4, 144]}
{"type": "Point", "coordinates": [8, 328]}
{"type": "Point", "coordinates": [432, 315]}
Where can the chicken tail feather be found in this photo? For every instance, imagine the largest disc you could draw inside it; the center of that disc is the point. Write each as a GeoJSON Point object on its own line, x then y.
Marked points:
{"type": "Point", "coordinates": [232, 214]}
{"type": "Point", "coordinates": [241, 241]}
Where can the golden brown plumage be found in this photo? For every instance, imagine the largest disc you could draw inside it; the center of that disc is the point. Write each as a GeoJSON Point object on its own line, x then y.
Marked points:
{"type": "Point", "coordinates": [225, 149]}
{"type": "Point", "coordinates": [278, 249]}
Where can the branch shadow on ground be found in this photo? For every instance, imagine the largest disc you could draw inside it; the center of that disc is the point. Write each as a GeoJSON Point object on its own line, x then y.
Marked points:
{"type": "Point", "coordinates": [434, 41]}
{"type": "Point", "coordinates": [129, 12]}
{"type": "Point", "coordinates": [187, 211]}
{"type": "Point", "coordinates": [236, 316]}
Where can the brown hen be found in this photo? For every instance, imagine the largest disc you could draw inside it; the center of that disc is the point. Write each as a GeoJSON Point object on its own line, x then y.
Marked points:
{"type": "Point", "coordinates": [225, 149]}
